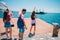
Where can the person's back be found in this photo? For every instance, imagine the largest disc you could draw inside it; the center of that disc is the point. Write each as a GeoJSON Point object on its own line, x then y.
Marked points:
{"type": "Point", "coordinates": [33, 15]}
{"type": "Point", "coordinates": [33, 23]}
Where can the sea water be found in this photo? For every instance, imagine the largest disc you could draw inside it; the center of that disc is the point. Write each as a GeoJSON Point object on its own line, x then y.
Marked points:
{"type": "Point", "coordinates": [48, 17]}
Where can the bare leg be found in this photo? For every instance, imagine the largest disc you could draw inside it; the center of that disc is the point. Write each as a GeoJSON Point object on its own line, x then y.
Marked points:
{"type": "Point", "coordinates": [30, 29]}
{"type": "Point", "coordinates": [10, 32]}
{"type": "Point", "coordinates": [34, 29]}
{"type": "Point", "coordinates": [0, 34]}
{"type": "Point", "coordinates": [7, 32]}
{"type": "Point", "coordinates": [21, 36]}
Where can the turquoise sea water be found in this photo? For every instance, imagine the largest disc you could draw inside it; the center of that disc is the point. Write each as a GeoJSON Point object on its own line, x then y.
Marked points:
{"type": "Point", "coordinates": [48, 17]}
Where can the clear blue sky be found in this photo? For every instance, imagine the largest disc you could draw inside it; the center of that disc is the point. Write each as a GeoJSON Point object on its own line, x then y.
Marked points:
{"type": "Point", "coordinates": [46, 5]}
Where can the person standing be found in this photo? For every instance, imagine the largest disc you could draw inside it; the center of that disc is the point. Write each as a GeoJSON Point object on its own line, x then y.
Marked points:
{"type": "Point", "coordinates": [7, 23]}
{"type": "Point", "coordinates": [21, 24]}
{"type": "Point", "coordinates": [33, 22]}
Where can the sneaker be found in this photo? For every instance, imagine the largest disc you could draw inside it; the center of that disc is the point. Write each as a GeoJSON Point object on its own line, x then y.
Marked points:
{"type": "Point", "coordinates": [20, 39]}
{"type": "Point", "coordinates": [33, 34]}
{"type": "Point", "coordinates": [30, 35]}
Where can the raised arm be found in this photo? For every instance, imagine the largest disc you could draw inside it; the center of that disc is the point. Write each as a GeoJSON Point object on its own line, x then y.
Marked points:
{"type": "Point", "coordinates": [34, 9]}
{"type": "Point", "coordinates": [19, 12]}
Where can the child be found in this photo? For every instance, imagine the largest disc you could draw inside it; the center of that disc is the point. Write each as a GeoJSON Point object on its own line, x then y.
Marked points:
{"type": "Point", "coordinates": [21, 24]}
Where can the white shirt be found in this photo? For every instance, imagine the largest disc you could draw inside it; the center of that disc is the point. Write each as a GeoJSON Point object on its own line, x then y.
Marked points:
{"type": "Point", "coordinates": [22, 16]}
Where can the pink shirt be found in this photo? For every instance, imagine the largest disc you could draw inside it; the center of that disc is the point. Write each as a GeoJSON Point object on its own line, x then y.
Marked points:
{"type": "Point", "coordinates": [10, 13]}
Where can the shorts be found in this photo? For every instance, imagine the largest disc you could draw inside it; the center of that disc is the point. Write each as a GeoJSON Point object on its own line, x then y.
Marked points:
{"type": "Point", "coordinates": [33, 24]}
{"type": "Point", "coordinates": [33, 21]}
{"type": "Point", "coordinates": [7, 24]}
{"type": "Point", "coordinates": [21, 30]}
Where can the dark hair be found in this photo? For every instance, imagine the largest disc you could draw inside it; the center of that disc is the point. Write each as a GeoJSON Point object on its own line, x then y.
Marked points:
{"type": "Point", "coordinates": [7, 10]}
{"type": "Point", "coordinates": [23, 9]}
{"type": "Point", "coordinates": [33, 14]}
{"type": "Point", "coordinates": [5, 14]}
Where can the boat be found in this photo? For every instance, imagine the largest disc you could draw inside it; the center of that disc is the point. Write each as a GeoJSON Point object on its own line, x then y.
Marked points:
{"type": "Point", "coordinates": [40, 12]}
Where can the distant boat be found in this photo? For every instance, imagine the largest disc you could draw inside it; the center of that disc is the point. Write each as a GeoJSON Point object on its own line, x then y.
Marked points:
{"type": "Point", "coordinates": [40, 12]}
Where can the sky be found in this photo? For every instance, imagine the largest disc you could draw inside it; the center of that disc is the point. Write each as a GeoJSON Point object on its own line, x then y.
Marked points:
{"type": "Point", "coordinates": [44, 5]}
